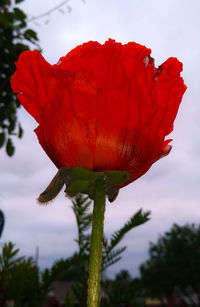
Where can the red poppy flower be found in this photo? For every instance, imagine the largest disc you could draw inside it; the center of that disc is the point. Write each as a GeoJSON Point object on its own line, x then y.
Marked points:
{"type": "Point", "coordinates": [101, 107]}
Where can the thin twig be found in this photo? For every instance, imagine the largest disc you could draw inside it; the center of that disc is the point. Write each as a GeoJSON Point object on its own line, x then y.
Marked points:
{"type": "Point", "coordinates": [48, 12]}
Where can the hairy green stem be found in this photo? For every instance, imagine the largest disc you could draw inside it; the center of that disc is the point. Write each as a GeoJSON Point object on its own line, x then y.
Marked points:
{"type": "Point", "coordinates": [96, 244]}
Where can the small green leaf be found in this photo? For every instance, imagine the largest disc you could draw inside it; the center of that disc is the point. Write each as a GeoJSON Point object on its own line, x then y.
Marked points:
{"type": "Point", "coordinates": [19, 14]}
{"type": "Point", "coordinates": [20, 132]}
{"type": "Point", "coordinates": [2, 139]}
{"type": "Point", "coordinates": [11, 126]}
{"type": "Point", "coordinates": [10, 148]}
{"type": "Point", "coordinates": [30, 35]}
{"type": "Point", "coordinates": [18, 1]}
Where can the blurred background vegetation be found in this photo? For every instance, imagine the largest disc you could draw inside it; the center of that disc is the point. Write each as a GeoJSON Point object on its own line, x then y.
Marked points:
{"type": "Point", "coordinates": [170, 277]}
{"type": "Point", "coordinates": [22, 283]}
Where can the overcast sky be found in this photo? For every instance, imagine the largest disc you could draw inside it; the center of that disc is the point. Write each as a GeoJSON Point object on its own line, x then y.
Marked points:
{"type": "Point", "coordinates": [171, 188]}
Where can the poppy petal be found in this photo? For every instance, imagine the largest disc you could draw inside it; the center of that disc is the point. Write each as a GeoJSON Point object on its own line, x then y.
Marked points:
{"type": "Point", "coordinates": [31, 82]}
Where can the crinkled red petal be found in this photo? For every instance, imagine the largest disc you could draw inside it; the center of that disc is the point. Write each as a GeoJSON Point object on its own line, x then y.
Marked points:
{"type": "Point", "coordinates": [102, 107]}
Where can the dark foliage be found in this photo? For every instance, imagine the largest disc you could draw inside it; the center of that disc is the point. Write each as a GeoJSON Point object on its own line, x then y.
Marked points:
{"type": "Point", "coordinates": [15, 37]}
{"type": "Point", "coordinates": [174, 263]}
{"type": "Point", "coordinates": [123, 291]}
{"type": "Point", "coordinates": [18, 278]}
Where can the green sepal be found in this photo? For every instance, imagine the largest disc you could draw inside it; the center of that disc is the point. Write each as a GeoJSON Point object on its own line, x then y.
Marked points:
{"type": "Point", "coordinates": [79, 186]}
{"type": "Point", "coordinates": [118, 177]}
{"type": "Point", "coordinates": [81, 180]}
{"type": "Point", "coordinates": [80, 173]}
